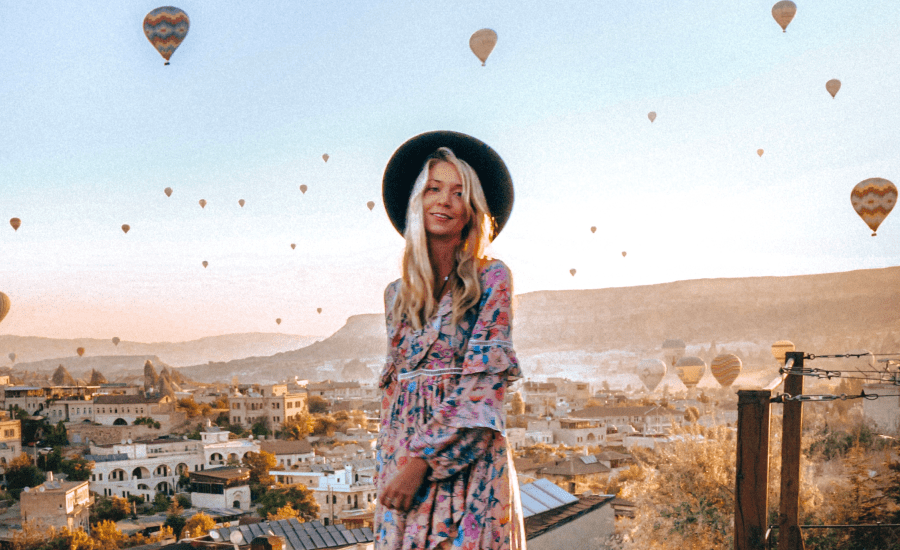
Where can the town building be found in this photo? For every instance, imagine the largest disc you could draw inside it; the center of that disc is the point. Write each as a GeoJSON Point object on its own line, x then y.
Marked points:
{"type": "Point", "coordinates": [342, 493]}
{"type": "Point", "coordinates": [28, 398]}
{"type": "Point", "coordinates": [271, 405]}
{"type": "Point", "coordinates": [576, 474]}
{"type": "Point", "coordinates": [10, 439]}
{"type": "Point", "coordinates": [645, 419]}
{"type": "Point", "coordinates": [118, 410]}
{"type": "Point", "coordinates": [289, 453]}
{"type": "Point", "coordinates": [557, 520]}
{"type": "Point", "coordinates": [226, 487]}
{"type": "Point", "coordinates": [58, 504]}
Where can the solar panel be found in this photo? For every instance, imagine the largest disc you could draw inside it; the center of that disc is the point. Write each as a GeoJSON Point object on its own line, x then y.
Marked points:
{"type": "Point", "coordinates": [359, 535]}
{"type": "Point", "coordinates": [295, 542]}
{"type": "Point", "coordinates": [256, 530]}
{"type": "Point", "coordinates": [530, 506]}
{"type": "Point", "coordinates": [317, 539]}
{"type": "Point", "coordinates": [277, 529]}
{"type": "Point", "coordinates": [589, 459]}
{"type": "Point", "coordinates": [368, 534]}
{"type": "Point", "coordinates": [549, 487]}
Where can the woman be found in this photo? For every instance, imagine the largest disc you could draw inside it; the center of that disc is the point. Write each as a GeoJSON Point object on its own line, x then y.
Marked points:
{"type": "Point", "coordinates": [445, 475]}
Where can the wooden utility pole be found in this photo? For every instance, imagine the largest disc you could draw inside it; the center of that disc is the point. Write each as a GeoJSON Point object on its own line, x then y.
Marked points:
{"type": "Point", "coordinates": [789, 536]}
{"type": "Point", "coordinates": [752, 469]}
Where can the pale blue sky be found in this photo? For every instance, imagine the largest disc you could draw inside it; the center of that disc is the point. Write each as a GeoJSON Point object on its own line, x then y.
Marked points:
{"type": "Point", "coordinates": [96, 127]}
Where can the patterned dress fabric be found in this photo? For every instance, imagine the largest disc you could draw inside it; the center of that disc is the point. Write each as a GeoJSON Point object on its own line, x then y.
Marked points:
{"type": "Point", "coordinates": [443, 394]}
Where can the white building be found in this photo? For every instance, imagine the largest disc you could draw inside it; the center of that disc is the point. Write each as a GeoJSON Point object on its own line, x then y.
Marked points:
{"type": "Point", "coordinates": [289, 453]}
{"type": "Point", "coordinates": [221, 488]}
{"type": "Point", "coordinates": [340, 492]}
{"type": "Point", "coordinates": [271, 405]}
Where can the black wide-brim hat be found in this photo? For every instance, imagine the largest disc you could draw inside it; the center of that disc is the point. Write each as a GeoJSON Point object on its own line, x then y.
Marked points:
{"type": "Point", "coordinates": [408, 160]}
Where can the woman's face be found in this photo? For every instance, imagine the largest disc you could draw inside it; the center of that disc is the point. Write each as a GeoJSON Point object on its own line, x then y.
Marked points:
{"type": "Point", "coordinates": [445, 211]}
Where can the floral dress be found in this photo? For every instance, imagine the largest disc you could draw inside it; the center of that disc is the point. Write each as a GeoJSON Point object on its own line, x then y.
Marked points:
{"type": "Point", "coordinates": [444, 389]}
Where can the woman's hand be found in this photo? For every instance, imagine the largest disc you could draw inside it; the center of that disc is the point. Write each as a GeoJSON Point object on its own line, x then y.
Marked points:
{"type": "Point", "coordinates": [399, 493]}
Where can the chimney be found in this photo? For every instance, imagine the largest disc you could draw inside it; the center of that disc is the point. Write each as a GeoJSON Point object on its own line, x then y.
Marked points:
{"type": "Point", "coordinates": [50, 477]}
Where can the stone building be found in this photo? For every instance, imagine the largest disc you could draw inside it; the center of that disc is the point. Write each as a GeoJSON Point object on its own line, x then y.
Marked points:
{"type": "Point", "coordinates": [58, 504]}
{"type": "Point", "coordinates": [340, 492]}
{"type": "Point", "coordinates": [119, 410]}
{"type": "Point", "coordinates": [271, 405]}
{"type": "Point", "coordinates": [289, 453]}
{"type": "Point", "coordinates": [227, 487]}
{"type": "Point", "coordinates": [10, 439]}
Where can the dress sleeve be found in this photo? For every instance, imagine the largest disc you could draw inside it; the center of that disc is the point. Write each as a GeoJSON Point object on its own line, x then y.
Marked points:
{"type": "Point", "coordinates": [459, 431]}
{"type": "Point", "coordinates": [388, 374]}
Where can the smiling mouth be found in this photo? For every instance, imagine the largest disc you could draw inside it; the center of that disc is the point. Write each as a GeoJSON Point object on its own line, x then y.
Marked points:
{"type": "Point", "coordinates": [442, 217]}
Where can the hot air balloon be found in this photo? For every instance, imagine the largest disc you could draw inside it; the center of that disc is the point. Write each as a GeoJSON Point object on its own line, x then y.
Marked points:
{"type": "Point", "coordinates": [168, 191]}
{"type": "Point", "coordinates": [12, 357]}
{"type": "Point", "coordinates": [652, 116]}
{"type": "Point", "coordinates": [873, 199]}
{"type": "Point", "coordinates": [318, 310]}
{"type": "Point", "coordinates": [760, 152]}
{"type": "Point", "coordinates": [780, 348]}
{"type": "Point", "coordinates": [278, 321]}
{"type": "Point", "coordinates": [325, 157]}
{"type": "Point", "coordinates": [624, 253]}
{"type": "Point", "coordinates": [80, 352]}
{"type": "Point", "coordinates": [783, 12]}
{"type": "Point", "coordinates": [651, 372]}
{"type": "Point", "coordinates": [293, 246]}
{"type": "Point", "coordinates": [726, 368]}
{"type": "Point", "coordinates": [116, 341]}
{"type": "Point", "coordinates": [125, 228]}
{"type": "Point", "coordinates": [205, 263]}
{"type": "Point", "coordinates": [165, 28]}
{"type": "Point", "coordinates": [673, 350]}
{"type": "Point", "coordinates": [593, 229]}
{"type": "Point", "coordinates": [572, 271]}
{"type": "Point", "coordinates": [241, 202]}
{"type": "Point", "coordinates": [303, 189]}
{"type": "Point", "coordinates": [833, 86]}
{"type": "Point", "coordinates": [690, 370]}
{"type": "Point", "coordinates": [4, 305]}
{"type": "Point", "coordinates": [15, 223]}
{"type": "Point", "coordinates": [371, 205]}
{"type": "Point", "coordinates": [202, 203]}
{"type": "Point", "coordinates": [482, 44]}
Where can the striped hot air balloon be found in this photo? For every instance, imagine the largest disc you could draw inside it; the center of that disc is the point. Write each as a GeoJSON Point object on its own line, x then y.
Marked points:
{"type": "Point", "coordinates": [165, 28]}
{"type": "Point", "coordinates": [690, 370]}
{"type": "Point", "coordinates": [4, 305]}
{"type": "Point", "coordinates": [726, 368]}
{"type": "Point", "coordinates": [873, 199]}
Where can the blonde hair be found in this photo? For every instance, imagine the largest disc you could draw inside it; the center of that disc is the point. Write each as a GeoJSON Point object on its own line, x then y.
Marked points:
{"type": "Point", "coordinates": [415, 300]}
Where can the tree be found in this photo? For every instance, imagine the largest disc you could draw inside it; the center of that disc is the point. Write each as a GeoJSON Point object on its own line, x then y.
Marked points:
{"type": "Point", "coordinates": [518, 404]}
{"type": "Point", "coordinates": [260, 428]}
{"type": "Point", "coordinates": [76, 468]}
{"type": "Point", "coordinates": [198, 526]}
{"type": "Point", "coordinates": [109, 508]}
{"type": "Point", "coordinates": [323, 424]}
{"type": "Point", "coordinates": [298, 496]}
{"type": "Point", "coordinates": [33, 534]}
{"type": "Point", "coordinates": [285, 512]}
{"type": "Point", "coordinates": [107, 534]}
{"type": "Point", "coordinates": [147, 421]}
{"type": "Point", "coordinates": [57, 436]}
{"type": "Point", "coordinates": [317, 404]}
{"type": "Point", "coordinates": [21, 473]}
{"type": "Point", "coordinates": [189, 406]}
{"type": "Point", "coordinates": [161, 502]}
{"type": "Point", "coordinates": [297, 427]}
{"type": "Point", "coordinates": [174, 519]}
{"type": "Point", "coordinates": [260, 463]}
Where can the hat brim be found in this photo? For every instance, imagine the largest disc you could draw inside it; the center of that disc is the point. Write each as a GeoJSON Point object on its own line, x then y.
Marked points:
{"type": "Point", "coordinates": [407, 162]}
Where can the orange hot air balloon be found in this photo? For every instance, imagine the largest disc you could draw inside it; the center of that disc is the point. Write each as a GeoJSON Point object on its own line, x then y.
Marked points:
{"type": "Point", "coordinates": [278, 321]}
{"type": "Point", "coordinates": [784, 12]}
{"type": "Point", "coordinates": [5, 304]}
{"type": "Point", "coordinates": [168, 191]}
{"type": "Point", "coordinates": [319, 310]}
{"type": "Point", "coordinates": [125, 228]}
{"type": "Point", "coordinates": [116, 341]}
{"type": "Point", "coordinates": [202, 203]}
{"type": "Point", "coordinates": [780, 348]}
{"type": "Point", "coordinates": [80, 352]}
{"type": "Point", "coordinates": [241, 202]}
{"type": "Point", "coordinates": [371, 205]}
{"type": "Point", "coordinates": [15, 223]}
{"type": "Point", "coordinates": [873, 199]}
{"type": "Point", "coordinates": [303, 189]}
{"type": "Point", "coordinates": [293, 246]}
{"type": "Point", "coordinates": [760, 152]}
{"type": "Point", "coordinates": [205, 263]}
{"type": "Point", "coordinates": [673, 350]}
{"type": "Point", "coordinates": [593, 229]}
{"type": "Point", "coordinates": [726, 368]}
{"type": "Point", "coordinates": [624, 253]}
{"type": "Point", "coordinates": [652, 116]}
{"type": "Point", "coordinates": [833, 86]}
{"type": "Point", "coordinates": [572, 271]}
{"type": "Point", "coordinates": [690, 370]}
{"type": "Point", "coordinates": [325, 157]}
{"type": "Point", "coordinates": [482, 43]}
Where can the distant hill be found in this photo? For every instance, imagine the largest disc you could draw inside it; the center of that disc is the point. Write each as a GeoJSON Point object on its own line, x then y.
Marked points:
{"type": "Point", "coordinates": [586, 332]}
{"type": "Point", "coordinates": [214, 348]}
{"type": "Point", "coordinates": [122, 368]}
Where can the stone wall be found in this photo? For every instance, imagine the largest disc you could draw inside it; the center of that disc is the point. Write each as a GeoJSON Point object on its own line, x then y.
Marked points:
{"type": "Point", "coordinates": [83, 434]}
